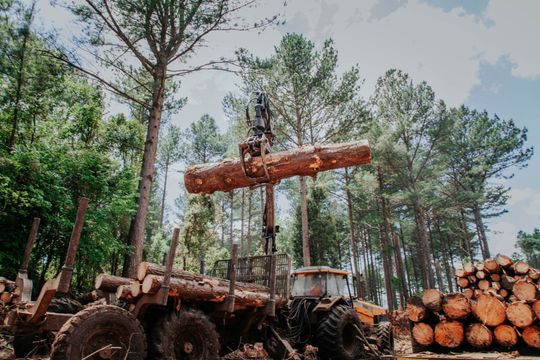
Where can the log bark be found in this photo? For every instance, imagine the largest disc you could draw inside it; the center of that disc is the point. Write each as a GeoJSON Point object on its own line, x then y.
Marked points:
{"type": "Point", "coordinates": [520, 314]}
{"type": "Point", "coordinates": [507, 282]}
{"type": "Point", "coordinates": [304, 161]}
{"type": "Point", "coordinates": [207, 290]}
{"type": "Point", "coordinates": [423, 334]}
{"type": "Point", "coordinates": [449, 333]}
{"type": "Point", "coordinates": [489, 310]}
{"type": "Point", "coordinates": [456, 306]}
{"type": "Point", "coordinates": [432, 299]}
{"type": "Point", "coordinates": [525, 291]}
{"type": "Point", "coordinates": [504, 261]}
{"type": "Point", "coordinates": [505, 335]}
{"type": "Point", "coordinates": [531, 336]}
{"type": "Point", "coordinates": [416, 310]}
{"type": "Point", "coordinates": [479, 336]}
{"type": "Point", "coordinates": [146, 268]}
{"type": "Point", "coordinates": [110, 283]}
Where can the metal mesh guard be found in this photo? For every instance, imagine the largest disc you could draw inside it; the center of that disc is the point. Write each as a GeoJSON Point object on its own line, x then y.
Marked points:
{"type": "Point", "coordinates": [256, 270]}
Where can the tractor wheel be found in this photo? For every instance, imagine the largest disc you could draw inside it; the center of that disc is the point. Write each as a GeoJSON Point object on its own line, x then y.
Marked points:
{"type": "Point", "coordinates": [64, 306]}
{"type": "Point", "coordinates": [337, 334]}
{"type": "Point", "coordinates": [185, 335]}
{"type": "Point", "coordinates": [100, 332]}
{"type": "Point", "coordinates": [385, 337]}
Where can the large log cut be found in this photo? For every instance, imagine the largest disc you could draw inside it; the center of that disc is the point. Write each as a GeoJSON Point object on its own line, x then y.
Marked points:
{"type": "Point", "coordinates": [228, 174]}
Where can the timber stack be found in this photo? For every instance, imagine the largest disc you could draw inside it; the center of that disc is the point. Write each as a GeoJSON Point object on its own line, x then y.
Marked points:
{"type": "Point", "coordinates": [498, 308]}
{"type": "Point", "coordinates": [184, 285]}
{"type": "Point", "coordinates": [9, 292]}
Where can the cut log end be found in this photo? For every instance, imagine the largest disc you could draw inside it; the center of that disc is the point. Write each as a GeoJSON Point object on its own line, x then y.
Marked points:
{"type": "Point", "coordinates": [520, 314]}
{"type": "Point", "coordinates": [432, 299]}
{"type": "Point", "coordinates": [505, 335]}
{"type": "Point", "coordinates": [489, 310]}
{"type": "Point", "coordinates": [531, 336]}
{"type": "Point", "coordinates": [449, 334]}
{"type": "Point", "coordinates": [422, 333]}
{"type": "Point", "coordinates": [456, 306]}
{"type": "Point", "coordinates": [525, 291]}
{"type": "Point", "coordinates": [479, 336]}
{"type": "Point", "coordinates": [416, 310]}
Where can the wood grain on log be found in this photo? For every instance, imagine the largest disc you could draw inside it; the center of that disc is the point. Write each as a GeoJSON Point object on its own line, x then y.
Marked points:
{"type": "Point", "coordinates": [520, 314]}
{"type": "Point", "coordinates": [505, 335]}
{"type": "Point", "coordinates": [432, 299]}
{"type": "Point", "coordinates": [489, 310]}
{"type": "Point", "coordinates": [423, 334]}
{"type": "Point", "coordinates": [462, 282]}
{"type": "Point", "coordinates": [483, 284]}
{"type": "Point", "coordinates": [469, 268]}
{"type": "Point", "coordinates": [305, 161]}
{"type": "Point", "coordinates": [479, 336]}
{"type": "Point", "coordinates": [525, 291]}
{"type": "Point", "coordinates": [416, 310]}
{"type": "Point", "coordinates": [504, 261]}
{"type": "Point", "coordinates": [449, 333]}
{"type": "Point", "coordinates": [536, 308]}
{"type": "Point", "coordinates": [520, 268]}
{"type": "Point", "coordinates": [469, 293]}
{"type": "Point", "coordinates": [491, 266]}
{"type": "Point", "coordinates": [531, 336]}
{"type": "Point", "coordinates": [110, 283]}
{"type": "Point", "coordinates": [124, 292]}
{"type": "Point", "coordinates": [456, 306]}
{"type": "Point", "coordinates": [507, 282]}
{"type": "Point", "coordinates": [495, 277]}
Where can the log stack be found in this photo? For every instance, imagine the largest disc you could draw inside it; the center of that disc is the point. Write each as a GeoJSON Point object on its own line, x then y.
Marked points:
{"type": "Point", "coordinates": [9, 292]}
{"type": "Point", "coordinates": [184, 286]}
{"type": "Point", "coordinates": [498, 308]}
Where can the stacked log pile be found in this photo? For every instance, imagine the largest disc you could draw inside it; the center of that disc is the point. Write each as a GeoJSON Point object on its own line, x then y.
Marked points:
{"type": "Point", "coordinates": [9, 292]}
{"type": "Point", "coordinates": [184, 285]}
{"type": "Point", "coordinates": [498, 308]}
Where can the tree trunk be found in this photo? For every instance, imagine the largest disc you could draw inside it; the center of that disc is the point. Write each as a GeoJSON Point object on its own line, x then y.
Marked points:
{"type": "Point", "coordinates": [384, 244]}
{"type": "Point", "coordinates": [306, 251]}
{"type": "Point", "coordinates": [481, 232]}
{"type": "Point", "coordinates": [222, 222]}
{"type": "Point", "coordinates": [359, 289]}
{"type": "Point", "coordinates": [249, 238]}
{"type": "Point", "coordinates": [147, 169]}
{"type": "Point", "coordinates": [231, 220]}
{"type": "Point", "coordinates": [242, 206]}
{"type": "Point", "coordinates": [400, 270]}
{"type": "Point", "coordinates": [162, 210]}
{"type": "Point", "coordinates": [427, 272]}
{"type": "Point", "coordinates": [304, 161]}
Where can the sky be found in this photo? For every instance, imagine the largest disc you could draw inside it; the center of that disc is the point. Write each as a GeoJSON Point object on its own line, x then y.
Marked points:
{"type": "Point", "coordinates": [481, 53]}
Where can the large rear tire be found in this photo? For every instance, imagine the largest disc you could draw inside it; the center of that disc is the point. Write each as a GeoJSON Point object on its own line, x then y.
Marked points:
{"type": "Point", "coordinates": [185, 335]}
{"type": "Point", "coordinates": [100, 332]}
{"type": "Point", "coordinates": [337, 334]}
{"type": "Point", "coordinates": [385, 337]}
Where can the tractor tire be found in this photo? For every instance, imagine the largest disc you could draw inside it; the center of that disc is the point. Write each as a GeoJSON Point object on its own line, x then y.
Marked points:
{"type": "Point", "coordinates": [91, 332]}
{"type": "Point", "coordinates": [65, 306]}
{"type": "Point", "coordinates": [337, 336]}
{"type": "Point", "coordinates": [187, 334]}
{"type": "Point", "coordinates": [385, 337]}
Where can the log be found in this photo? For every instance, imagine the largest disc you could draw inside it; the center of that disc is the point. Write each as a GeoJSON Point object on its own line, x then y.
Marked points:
{"type": "Point", "coordinates": [423, 334]}
{"type": "Point", "coordinates": [5, 297]}
{"type": "Point", "coordinates": [489, 310]}
{"type": "Point", "coordinates": [504, 293]}
{"type": "Point", "coordinates": [460, 273]}
{"type": "Point", "coordinates": [480, 267]}
{"type": "Point", "coordinates": [110, 283]}
{"type": "Point", "coordinates": [480, 274]}
{"type": "Point", "coordinates": [469, 268]}
{"type": "Point", "coordinates": [531, 336]}
{"type": "Point", "coordinates": [495, 277]}
{"type": "Point", "coordinates": [207, 290]}
{"type": "Point", "coordinates": [507, 282]}
{"type": "Point", "coordinates": [135, 288]}
{"type": "Point", "coordinates": [483, 284]}
{"type": "Point", "coordinates": [449, 333]}
{"type": "Point", "coordinates": [491, 266]}
{"type": "Point", "coordinates": [496, 285]}
{"type": "Point", "coordinates": [504, 261]}
{"type": "Point", "coordinates": [462, 282]}
{"type": "Point", "coordinates": [520, 314]}
{"type": "Point", "coordinates": [88, 297]}
{"type": "Point", "coordinates": [469, 293]}
{"type": "Point", "coordinates": [432, 299]}
{"type": "Point", "coordinates": [228, 174]}
{"type": "Point", "coordinates": [521, 268]}
{"type": "Point", "coordinates": [145, 268]}
{"type": "Point", "coordinates": [456, 306]}
{"type": "Point", "coordinates": [505, 335]}
{"type": "Point", "coordinates": [525, 291]}
{"type": "Point", "coordinates": [416, 310]}
{"type": "Point", "coordinates": [534, 274]}
{"type": "Point", "coordinates": [124, 292]}
{"type": "Point", "coordinates": [536, 308]}
{"type": "Point", "coordinates": [479, 336]}
{"type": "Point", "coordinates": [472, 279]}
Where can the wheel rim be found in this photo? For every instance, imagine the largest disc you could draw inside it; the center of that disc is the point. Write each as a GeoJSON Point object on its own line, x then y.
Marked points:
{"type": "Point", "coordinates": [190, 345]}
{"type": "Point", "coordinates": [106, 344]}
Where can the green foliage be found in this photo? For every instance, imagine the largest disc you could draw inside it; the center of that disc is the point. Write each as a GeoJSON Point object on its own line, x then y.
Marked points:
{"type": "Point", "coordinates": [529, 244]}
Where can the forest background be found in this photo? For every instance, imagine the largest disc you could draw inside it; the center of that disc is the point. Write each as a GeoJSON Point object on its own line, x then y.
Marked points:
{"type": "Point", "coordinates": [467, 54]}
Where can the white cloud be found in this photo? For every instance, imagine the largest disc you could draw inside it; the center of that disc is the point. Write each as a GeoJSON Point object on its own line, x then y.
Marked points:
{"type": "Point", "coordinates": [502, 237]}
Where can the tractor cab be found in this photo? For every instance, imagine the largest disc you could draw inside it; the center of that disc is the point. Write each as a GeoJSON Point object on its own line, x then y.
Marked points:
{"type": "Point", "coordinates": [320, 282]}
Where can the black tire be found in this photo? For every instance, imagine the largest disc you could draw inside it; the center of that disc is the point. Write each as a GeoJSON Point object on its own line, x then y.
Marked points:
{"type": "Point", "coordinates": [187, 334]}
{"type": "Point", "coordinates": [97, 327]}
{"type": "Point", "coordinates": [385, 337]}
{"type": "Point", "coordinates": [65, 306]}
{"type": "Point", "coordinates": [337, 336]}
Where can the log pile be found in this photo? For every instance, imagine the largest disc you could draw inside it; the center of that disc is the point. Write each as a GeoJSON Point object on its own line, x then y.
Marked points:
{"type": "Point", "coordinates": [9, 292]}
{"type": "Point", "coordinates": [498, 308]}
{"type": "Point", "coordinates": [186, 286]}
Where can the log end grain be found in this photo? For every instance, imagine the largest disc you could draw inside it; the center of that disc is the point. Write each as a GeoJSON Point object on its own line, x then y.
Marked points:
{"type": "Point", "coordinates": [423, 334]}
{"type": "Point", "coordinates": [479, 336]}
{"type": "Point", "coordinates": [456, 306]}
{"type": "Point", "coordinates": [525, 291]}
{"type": "Point", "coordinates": [520, 314]}
{"type": "Point", "coordinates": [505, 335]}
{"type": "Point", "coordinates": [489, 310]}
{"type": "Point", "coordinates": [432, 299]}
{"type": "Point", "coordinates": [449, 334]}
{"type": "Point", "coordinates": [531, 336]}
{"type": "Point", "coordinates": [416, 310]}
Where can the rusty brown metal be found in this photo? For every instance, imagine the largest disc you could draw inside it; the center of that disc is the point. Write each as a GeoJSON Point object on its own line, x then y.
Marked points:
{"type": "Point", "coordinates": [23, 282]}
{"type": "Point", "coordinates": [232, 277]}
{"type": "Point", "coordinates": [67, 269]}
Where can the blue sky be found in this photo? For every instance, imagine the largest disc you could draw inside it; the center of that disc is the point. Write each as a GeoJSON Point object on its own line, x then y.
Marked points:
{"type": "Point", "coordinates": [483, 53]}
